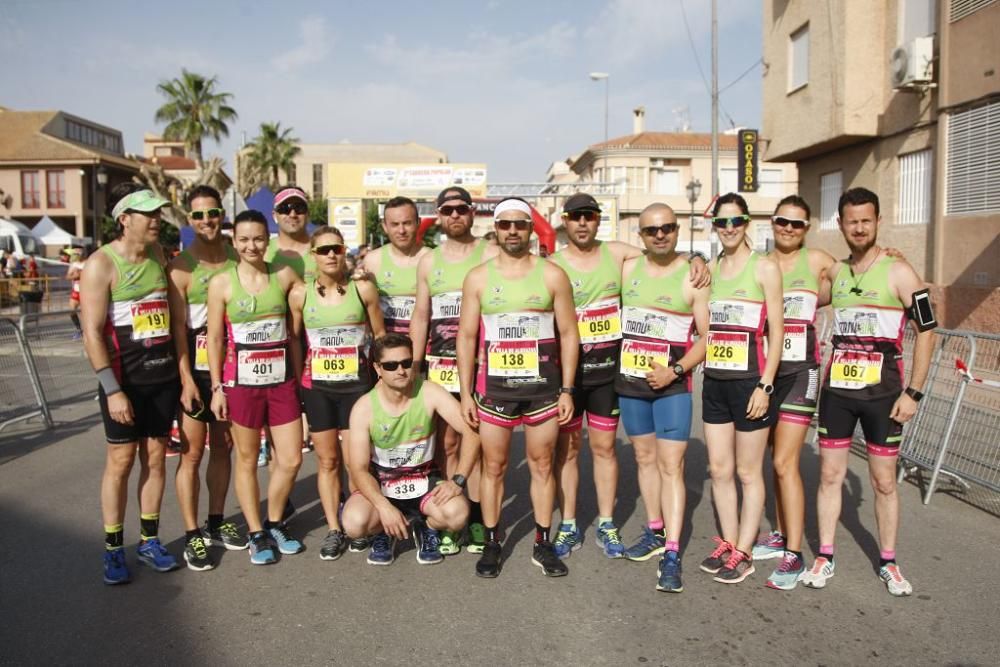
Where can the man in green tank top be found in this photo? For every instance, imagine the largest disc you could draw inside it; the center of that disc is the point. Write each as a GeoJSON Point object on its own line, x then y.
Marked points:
{"type": "Point", "coordinates": [291, 247]}
{"type": "Point", "coordinates": [434, 329]}
{"type": "Point", "coordinates": [188, 277]}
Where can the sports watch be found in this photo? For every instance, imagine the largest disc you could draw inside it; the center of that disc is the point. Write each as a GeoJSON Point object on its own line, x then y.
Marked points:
{"type": "Point", "coordinates": [768, 388]}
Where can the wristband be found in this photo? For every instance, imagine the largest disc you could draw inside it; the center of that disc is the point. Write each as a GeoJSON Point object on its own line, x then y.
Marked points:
{"type": "Point", "coordinates": [109, 383]}
{"type": "Point", "coordinates": [913, 393]}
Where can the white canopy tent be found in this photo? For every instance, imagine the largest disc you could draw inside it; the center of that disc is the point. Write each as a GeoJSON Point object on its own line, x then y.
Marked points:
{"type": "Point", "coordinates": [51, 234]}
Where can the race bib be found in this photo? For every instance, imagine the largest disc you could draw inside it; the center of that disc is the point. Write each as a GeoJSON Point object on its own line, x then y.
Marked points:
{"type": "Point", "coordinates": [201, 352]}
{"type": "Point", "coordinates": [257, 368]}
{"type": "Point", "coordinates": [334, 364]}
{"type": "Point", "coordinates": [855, 369]}
{"type": "Point", "coordinates": [793, 348]}
{"type": "Point", "coordinates": [599, 322]}
{"type": "Point", "coordinates": [513, 358]}
{"type": "Point", "coordinates": [405, 488]}
{"type": "Point", "coordinates": [443, 371]}
{"type": "Point", "coordinates": [638, 356]}
{"type": "Point", "coordinates": [150, 319]}
{"type": "Point", "coordinates": [728, 350]}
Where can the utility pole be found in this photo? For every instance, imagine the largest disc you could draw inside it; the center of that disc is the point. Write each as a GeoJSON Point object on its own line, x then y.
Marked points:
{"type": "Point", "coordinates": [715, 109]}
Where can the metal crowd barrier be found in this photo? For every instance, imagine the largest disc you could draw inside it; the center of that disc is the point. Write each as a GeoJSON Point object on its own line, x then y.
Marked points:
{"type": "Point", "coordinates": [64, 372]}
{"type": "Point", "coordinates": [21, 395]}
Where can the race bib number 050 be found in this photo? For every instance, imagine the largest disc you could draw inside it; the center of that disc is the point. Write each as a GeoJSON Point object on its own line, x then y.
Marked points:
{"type": "Point", "coordinates": [855, 369]}
{"type": "Point", "coordinates": [599, 322]}
{"type": "Point", "coordinates": [728, 350]}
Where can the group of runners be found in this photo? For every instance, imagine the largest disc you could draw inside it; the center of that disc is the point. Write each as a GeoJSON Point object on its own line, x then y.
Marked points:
{"type": "Point", "coordinates": [413, 371]}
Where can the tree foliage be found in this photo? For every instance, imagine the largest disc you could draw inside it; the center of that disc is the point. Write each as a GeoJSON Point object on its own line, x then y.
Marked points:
{"type": "Point", "coordinates": [194, 110]}
{"type": "Point", "coordinates": [272, 151]}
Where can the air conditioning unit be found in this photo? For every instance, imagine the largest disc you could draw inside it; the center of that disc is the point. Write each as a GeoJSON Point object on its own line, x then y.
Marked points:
{"type": "Point", "coordinates": [913, 64]}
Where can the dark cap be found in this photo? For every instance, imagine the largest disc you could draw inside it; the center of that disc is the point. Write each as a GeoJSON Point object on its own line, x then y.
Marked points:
{"type": "Point", "coordinates": [581, 201]}
{"type": "Point", "coordinates": [454, 192]}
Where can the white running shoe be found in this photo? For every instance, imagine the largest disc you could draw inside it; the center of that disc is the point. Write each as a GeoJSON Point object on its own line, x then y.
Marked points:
{"type": "Point", "coordinates": [820, 572]}
{"type": "Point", "coordinates": [894, 580]}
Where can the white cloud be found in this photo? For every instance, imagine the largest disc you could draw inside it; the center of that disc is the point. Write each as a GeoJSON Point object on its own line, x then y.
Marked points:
{"type": "Point", "coordinates": [314, 46]}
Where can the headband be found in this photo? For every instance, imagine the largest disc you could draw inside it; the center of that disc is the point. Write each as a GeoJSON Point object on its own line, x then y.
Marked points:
{"type": "Point", "coordinates": [512, 205]}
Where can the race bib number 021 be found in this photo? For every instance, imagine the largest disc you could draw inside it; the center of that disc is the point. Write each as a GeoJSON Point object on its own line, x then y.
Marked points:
{"type": "Point", "coordinates": [257, 368]}
{"type": "Point", "coordinates": [513, 358]}
{"type": "Point", "coordinates": [405, 488]}
{"type": "Point", "coordinates": [334, 364]}
{"type": "Point", "coordinates": [855, 369]}
{"type": "Point", "coordinates": [638, 356]}
{"type": "Point", "coordinates": [201, 352]}
{"type": "Point", "coordinates": [728, 350]}
{"type": "Point", "coordinates": [443, 371]}
{"type": "Point", "coordinates": [150, 319]}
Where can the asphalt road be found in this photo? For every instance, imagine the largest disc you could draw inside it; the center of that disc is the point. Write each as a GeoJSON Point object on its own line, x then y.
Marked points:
{"type": "Point", "coordinates": [54, 608]}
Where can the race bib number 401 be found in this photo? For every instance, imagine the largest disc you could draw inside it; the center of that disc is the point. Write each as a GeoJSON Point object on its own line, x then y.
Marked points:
{"type": "Point", "coordinates": [150, 319]}
{"type": "Point", "coordinates": [260, 367]}
{"type": "Point", "coordinates": [855, 369]}
{"type": "Point", "coordinates": [728, 350]}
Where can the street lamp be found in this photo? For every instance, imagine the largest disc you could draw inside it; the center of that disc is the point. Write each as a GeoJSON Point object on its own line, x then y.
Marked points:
{"type": "Point", "coordinates": [100, 180]}
{"type": "Point", "coordinates": [693, 192]}
{"type": "Point", "coordinates": [597, 76]}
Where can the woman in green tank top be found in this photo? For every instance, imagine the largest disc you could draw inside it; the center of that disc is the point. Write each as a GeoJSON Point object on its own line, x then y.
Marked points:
{"type": "Point", "coordinates": [336, 317]}
{"type": "Point", "coordinates": [251, 300]}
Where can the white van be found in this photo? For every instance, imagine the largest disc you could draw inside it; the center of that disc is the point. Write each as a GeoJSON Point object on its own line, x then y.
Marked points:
{"type": "Point", "coordinates": [17, 239]}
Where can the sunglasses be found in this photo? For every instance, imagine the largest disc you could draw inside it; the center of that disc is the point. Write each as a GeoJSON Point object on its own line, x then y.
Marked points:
{"type": "Point", "coordinates": [589, 216]}
{"type": "Point", "coordinates": [784, 222]}
{"type": "Point", "coordinates": [207, 213]}
{"type": "Point", "coordinates": [735, 221]}
{"type": "Point", "coordinates": [519, 225]}
{"type": "Point", "coordinates": [407, 364]}
{"type": "Point", "coordinates": [324, 250]}
{"type": "Point", "coordinates": [285, 208]}
{"type": "Point", "coordinates": [667, 229]}
{"type": "Point", "coordinates": [461, 209]}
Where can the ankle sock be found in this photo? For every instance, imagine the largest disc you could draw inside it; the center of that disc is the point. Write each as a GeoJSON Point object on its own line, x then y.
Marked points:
{"type": "Point", "coordinates": [191, 534]}
{"type": "Point", "coordinates": [826, 551]}
{"type": "Point", "coordinates": [149, 525]}
{"type": "Point", "coordinates": [114, 537]}
{"type": "Point", "coordinates": [886, 557]}
{"type": "Point", "coordinates": [672, 545]}
{"type": "Point", "coordinates": [492, 534]}
{"type": "Point", "coordinates": [605, 519]}
{"type": "Point", "coordinates": [541, 533]}
{"type": "Point", "coordinates": [656, 525]}
{"type": "Point", "coordinates": [475, 512]}
{"type": "Point", "coordinates": [214, 521]}
{"type": "Point", "coordinates": [569, 522]}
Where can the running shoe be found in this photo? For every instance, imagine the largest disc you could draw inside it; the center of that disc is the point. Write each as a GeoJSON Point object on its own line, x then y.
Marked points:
{"type": "Point", "coordinates": [226, 535]}
{"type": "Point", "coordinates": [196, 555]}
{"type": "Point", "coordinates": [609, 540]}
{"type": "Point", "coordinates": [359, 545]}
{"type": "Point", "coordinates": [288, 512]}
{"type": "Point", "coordinates": [771, 545]}
{"type": "Point", "coordinates": [262, 456]}
{"type": "Point", "coordinates": [428, 543]}
{"type": "Point", "coordinates": [737, 568]}
{"type": "Point", "coordinates": [488, 565]}
{"type": "Point", "coordinates": [153, 554]}
{"type": "Point", "coordinates": [449, 543]}
{"type": "Point", "coordinates": [786, 576]}
{"type": "Point", "coordinates": [544, 556]}
{"type": "Point", "coordinates": [307, 446]}
{"type": "Point", "coordinates": [285, 544]}
{"type": "Point", "coordinates": [669, 573]}
{"type": "Point", "coordinates": [383, 551]}
{"type": "Point", "coordinates": [650, 544]}
{"type": "Point", "coordinates": [173, 448]}
{"type": "Point", "coordinates": [568, 539]}
{"type": "Point", "coordinates": [334, 545]}
{"type": "Point", "coordinates": [718, 557]}
{"type": "Point", "coordinates": [261, 552]}
{"type": "Point", "coordinates": [894, 580]}
{"type": "Point", "coordinates": [820, 573]}
{"type": "Point", "coordinates": [115, 569]}
{"type": "Point", "coordinates": [477, 538]}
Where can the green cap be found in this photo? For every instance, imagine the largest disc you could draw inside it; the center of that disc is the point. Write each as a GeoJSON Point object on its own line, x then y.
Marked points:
{"type": "Point", "coordinates": [144, 201]}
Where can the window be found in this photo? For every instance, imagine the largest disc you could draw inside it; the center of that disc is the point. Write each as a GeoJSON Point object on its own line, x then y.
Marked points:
{"type": "Point", "coordinates": [915, 188]}
{"type": "Point", "coordinates": [727, 180]}
{"type": "Point", "coordinates": [763, 236]}
{"type": "Point", "coordinates": [973, 161]}
{"type": "Point", "coordinates": [831, 186]}
{"type": "Point", "coordinates": [617, 174]}
{"type": "Point", "coordinates": [664, 181]}
{"type": "Point", "coordinates": [317, 181]}
{"type": "Point", "coordinates": [636, 179]}
{"type": "Point", "coordinates": [30, 197]}
{"type": "Point", "coordinates": [290, 172]}
{"type": "Point", "coordinates": [55, 189]}
{"type": "Point", "coordinates": [798, 58]}
{"type": "Point", "coordinates": [959, 9]}
{"type": "Point", "coordinates": [770, 184]}
{"type": "Point", "coordinates": [915, 19]}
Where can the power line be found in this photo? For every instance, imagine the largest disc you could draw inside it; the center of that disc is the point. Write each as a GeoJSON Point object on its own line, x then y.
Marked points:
{"type": "Point", "coordinates": [760, 61]}
{"type": "Point", "coordinates": [697, 61]}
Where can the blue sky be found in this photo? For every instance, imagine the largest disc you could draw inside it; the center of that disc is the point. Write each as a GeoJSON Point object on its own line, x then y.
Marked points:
{"type": "Point", "coordinates": [503, 82]}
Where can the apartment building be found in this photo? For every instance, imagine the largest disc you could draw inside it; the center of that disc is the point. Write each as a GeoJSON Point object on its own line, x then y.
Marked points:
{"type": "Point", "coordinates": [901, 97]}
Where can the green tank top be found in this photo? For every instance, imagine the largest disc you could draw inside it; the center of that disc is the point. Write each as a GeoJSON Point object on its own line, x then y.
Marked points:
{"type": "Point", "coordinates": [201, 274]}
{"type": "Point", "coordinates": [445, 285]}
{"type": "Point", "coordinates": [303, 265]}
{"type": "Point", "coordinates": [403, 446]}
{"type": "Point", "coordinates": [246, 307]}
{"type": "Point", "coordinates": [801, 295]}
{"type": "Point", "coordinates": [600, 284]}
{"type": "Point", "coordinates": [336, 339]}
{"type": "Point", "coordinates": [197, 305]}
{"type": "Point", "coordinates": [397, 288]}
{"type": "Point", "coordinates": [256, 333]}
{"type": "Point", "coordinates": [656, 327]}
{"type": "Point", "coordinates": [135, 280]}
{"type": "Point", "coordinates": [737, 315]}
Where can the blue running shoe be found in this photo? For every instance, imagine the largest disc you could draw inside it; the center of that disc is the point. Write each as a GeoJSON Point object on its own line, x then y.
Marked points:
{"type": "Point", "coordinates": [153, 554]}
{"type": "Point", "coordinates": [610, 541]}
{"type": "Point", "coordinates": [568, 539]}
{"type": "Point", "coordinates": [428, 543]}
{"type": "Point", "coordinates": [670, 573]}
{"type": "Point", "coordinates": [383, 551]}
{"type": "Point", "coordinates": [115, 569]}
{"type": "Point", "coordinates": [650, 544]}
{"type": "Point", "coordinates": [285, 544]}
{"type": "Point", "coordinates": [261, 552]}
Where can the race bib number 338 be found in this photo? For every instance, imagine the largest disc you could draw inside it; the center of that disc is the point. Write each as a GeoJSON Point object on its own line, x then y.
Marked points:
{"type": "Point", "coordinates": [404, 488]}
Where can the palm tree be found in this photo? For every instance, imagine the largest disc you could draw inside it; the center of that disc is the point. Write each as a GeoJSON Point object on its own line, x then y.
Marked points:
{"type": "Point", "coordinates": [272, 150]}
{"type": "Point", "coordinates": [194, 110]}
